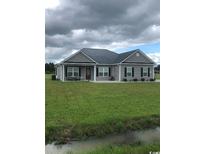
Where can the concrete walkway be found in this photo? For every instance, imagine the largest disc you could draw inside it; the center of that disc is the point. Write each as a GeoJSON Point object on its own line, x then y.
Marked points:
{"type": "Point", "coordinates": [125, 81]}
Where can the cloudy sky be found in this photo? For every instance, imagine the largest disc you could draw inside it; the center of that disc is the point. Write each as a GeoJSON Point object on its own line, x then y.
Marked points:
{"type": "Point", "coordinates": [117, 25]}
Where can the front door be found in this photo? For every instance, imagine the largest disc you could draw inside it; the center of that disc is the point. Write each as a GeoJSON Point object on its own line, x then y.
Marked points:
{"type": "Point", "coordinates": [88, 73]}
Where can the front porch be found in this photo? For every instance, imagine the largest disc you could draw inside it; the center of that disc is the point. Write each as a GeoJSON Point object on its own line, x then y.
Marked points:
{"type": "Point", "coordinates": [87, 72]}
{"type": "Point", "coordinates": [79, 72]}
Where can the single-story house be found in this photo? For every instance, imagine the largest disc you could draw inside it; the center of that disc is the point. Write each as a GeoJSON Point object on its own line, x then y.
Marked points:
{"type": "Point", "coordinates": [102, 64]}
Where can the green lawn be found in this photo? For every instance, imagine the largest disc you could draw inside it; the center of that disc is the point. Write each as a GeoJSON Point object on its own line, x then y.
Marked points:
{"type": "Point", "coordinates": [127, 149]}
{"type": "Point", "coordinates": [80, 109]}
{"type": "Point", "coordinates": [157, 76]}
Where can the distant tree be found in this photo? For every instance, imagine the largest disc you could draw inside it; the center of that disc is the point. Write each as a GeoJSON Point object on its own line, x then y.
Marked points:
{"type": "Point", "coordinates": [157, 69]}
{"type": "Point", "coordinates": [49, 68]}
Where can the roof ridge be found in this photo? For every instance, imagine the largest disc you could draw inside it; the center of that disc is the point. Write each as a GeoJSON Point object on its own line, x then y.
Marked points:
{"type": "Point", "coordinates": [131, 51]}
{"type": "Point", "coordinates": [99, 49]}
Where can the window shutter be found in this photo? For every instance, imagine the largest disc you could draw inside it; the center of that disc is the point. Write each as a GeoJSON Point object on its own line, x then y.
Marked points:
{"type": "Point", "coordinates": [132, 71]}
{"type": "Point", "coordinates": [141, 71]}
{"type": "Point", "coordinates": [148, 72]}
{"type": "Point", "coordinates": [109, 71]}
{"type": "Point", "coordinates": [97, 71]}
{"type": "Point", "coordinates": [125, 71]}
{"type": "Point", "coordinates": [79, 71]}
{"type": "Point", "coordinates": [65, 70]}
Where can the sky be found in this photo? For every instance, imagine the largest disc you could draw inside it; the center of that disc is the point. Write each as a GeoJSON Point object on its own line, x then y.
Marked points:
{"type": "Point", "coordinates": [117, 25]}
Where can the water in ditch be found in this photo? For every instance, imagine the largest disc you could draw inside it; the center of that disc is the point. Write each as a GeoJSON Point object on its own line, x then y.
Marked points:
{"type": "Point", "coordinates": [75, 147]}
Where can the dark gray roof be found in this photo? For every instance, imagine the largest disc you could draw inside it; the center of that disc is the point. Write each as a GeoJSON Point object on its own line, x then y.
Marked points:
{"type": "Point", "coordinates": [124, 55]}
{"type": "Point", "coordinates": [104, 56]}
{"type": "Point", "coordinates": [101, 56]}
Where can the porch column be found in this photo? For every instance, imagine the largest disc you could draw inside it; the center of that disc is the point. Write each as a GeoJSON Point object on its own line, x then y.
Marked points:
{"type": "Point", "coordinates": [94, 72]}
{"type": "Point", "coordinates": [119, 72]}
{"type": "Point", "coordinates": [63, 73]}
{"type": "Point", "coordinates": [153, 72]}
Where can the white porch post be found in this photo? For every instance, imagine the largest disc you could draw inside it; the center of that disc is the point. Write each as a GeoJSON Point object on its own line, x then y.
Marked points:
{"type": "Point", "coordinates": [153, 72]}
{"type": "Point", "coordinates": [94, 72]}
{"type": "Point", "coordinates": [63, 73]}
{"type": "Point", "coordinates": [119, 72]}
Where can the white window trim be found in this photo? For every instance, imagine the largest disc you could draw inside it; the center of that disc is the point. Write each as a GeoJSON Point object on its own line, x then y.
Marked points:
{"type": "Point", "coordinates": [103, 71]}
{"type": "Point", "coordinates": [130, 71]}
{"type": "Point", "coordinates": [145, 70]}
{"type": "Point", "coordinates": [73, 71]}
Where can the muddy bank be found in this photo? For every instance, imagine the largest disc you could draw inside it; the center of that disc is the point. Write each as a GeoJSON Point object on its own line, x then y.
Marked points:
{"type": "Point", "coordinates": [65, 134]}
{"type": "Point", "coordinates": [75, 147]}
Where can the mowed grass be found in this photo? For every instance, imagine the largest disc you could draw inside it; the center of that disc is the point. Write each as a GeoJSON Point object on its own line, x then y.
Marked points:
{"type": "Point", "coordinates": [78, 109]}
{"type": "Point", "coordinates": [127, 149]}
{"type": "Point", "coordinates": [157, 76]}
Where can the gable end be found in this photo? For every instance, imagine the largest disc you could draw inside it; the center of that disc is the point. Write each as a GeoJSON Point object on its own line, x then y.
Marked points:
{"type": "Point", "coordinates": [138, 57]}
{"type": "Point", "coordinates": [79, 58]}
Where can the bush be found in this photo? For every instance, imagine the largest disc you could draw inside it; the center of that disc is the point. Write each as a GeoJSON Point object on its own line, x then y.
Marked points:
{"type": "Point", "coordinates": [53, 77]}
{"type": "Point", "coordinates": [124, 79]}
{"type": "Point", "coordinates": [152, 79]}
{"type": "Point", "coordinates": [73, 78]}
{"type": "Point", "coordinates": [112, 78]}
{"type": "Point", "coordinates": [142, 79]}
{"type": "Point", "coordinates": [135, 79]}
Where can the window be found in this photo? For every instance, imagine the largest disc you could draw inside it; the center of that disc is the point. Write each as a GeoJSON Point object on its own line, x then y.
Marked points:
{"type": "Point", "coordinates": [70, 71]}
{"type": "Point", "coordinates": [106, 71]}
{"type": "Point", "coordinates": [73, 71]}
{"type": "Point", "coordinates": [145, 71]}
{"type": "Point", "coordinates": [129, 71]}
{"type": "Point", "coordinates": [103, 71]}
{"type": "Point", "coordinates": [100, 71]}
{"type": "Point", "coordinates": [76, 71]}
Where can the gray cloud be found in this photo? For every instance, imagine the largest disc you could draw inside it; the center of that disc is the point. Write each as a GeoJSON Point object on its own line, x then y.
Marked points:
{"type": "Point", "coordinates": [108, 23]}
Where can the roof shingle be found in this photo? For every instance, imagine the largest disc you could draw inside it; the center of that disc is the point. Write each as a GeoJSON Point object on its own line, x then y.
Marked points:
{"type": "Point", "coordinates": [104, 56]}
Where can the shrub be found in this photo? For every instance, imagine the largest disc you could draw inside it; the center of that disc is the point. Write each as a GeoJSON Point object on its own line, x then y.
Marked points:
{"type": "Point", "coordinates": [112, 78]}
{"type": "Point", "coordinates": [152, 79]}
{"type": "Point", "coordinates": [73, 78]}
{"type": "Point", "coordinates": [124, 79]}
{"type": "Point", "coordinates": [142, 79]}
{"type": "Point", "coordinates": [53, 77]}
{"type": "Point", "coordinates": [135, 79]}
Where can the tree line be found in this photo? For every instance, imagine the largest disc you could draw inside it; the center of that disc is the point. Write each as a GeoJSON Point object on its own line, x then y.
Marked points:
{"type": "Point", "coordinates": [157, 69]}
{"type": "Point", "coordinates": [49, 68]}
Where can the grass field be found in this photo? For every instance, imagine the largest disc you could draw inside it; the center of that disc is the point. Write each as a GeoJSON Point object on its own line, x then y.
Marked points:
{"type": "Point", "coordinates": [157, 76]}
{"type": "Point", "coordinates": [81, 109]}
{"type": "Point", "coordinates": [127, 149]}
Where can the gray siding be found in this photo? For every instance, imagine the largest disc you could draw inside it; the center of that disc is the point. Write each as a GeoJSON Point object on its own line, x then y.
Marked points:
{"type": "Point", "coordinates": [135, 58]}
{"type": "Point", "coordinates": [79, 57]}
{"type": "Point", "coordinates": [92, 73]}
{"type": "Point", "coordinates": [101, 78]}
{"type": "Point", "coordinates": [59, 72]}
{"type": "Point", "coordinates": [82, 69]}
{"type": "Point", "coordinates": [116, 72]}
{"type": "Point", "coordinates": [113, 72]}
{"type": "Point", "coordinates": [83, 73]}
{"type": "Point", "coordinates": [137, 72]}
